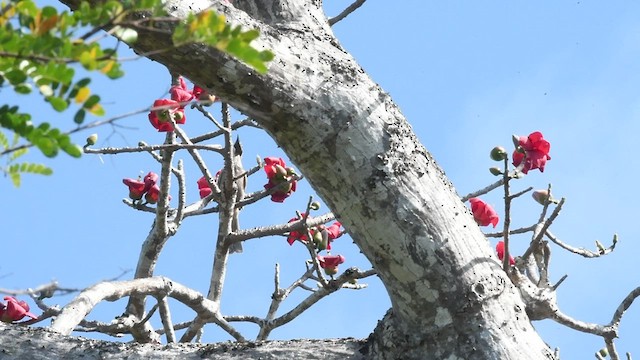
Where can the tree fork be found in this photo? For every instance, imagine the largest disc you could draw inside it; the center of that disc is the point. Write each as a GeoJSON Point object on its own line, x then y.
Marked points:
{"type": "Point", "coordinates": [450, 298]}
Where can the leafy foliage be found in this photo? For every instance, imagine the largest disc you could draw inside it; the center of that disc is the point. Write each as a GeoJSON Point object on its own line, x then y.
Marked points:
{"type": "Point", "coordinates": [41, 48]}
{"type": "Point", "coordinates": [15, 170]}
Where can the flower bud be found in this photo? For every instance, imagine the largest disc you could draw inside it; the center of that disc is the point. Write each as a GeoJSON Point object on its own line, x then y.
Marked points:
{"type": "Point", "coordinates": [600, 247]}
{"type": "Point", "coordinates": [178, 115]}
{"type": "Point", "coordinates": [542, 196]}
{"type": "Point", "coordinates": [331, 270]}
{"type": "Point", "coordinates": [498, 153]}
{"type": "Point", "coordinates": [315, 205]}
{"type": "Point", "coordinates": [603, 352]}
{"type": "Point", "coordinates": [92, 139]}
{"type": "Point", "coordinates": [280, 170]}
{"type": "Point", "coordinates": [516, 140]}
{"type": "Point", "coordinates": [320, 240]}
{"type": "Point", "coordinates": [164, 115]}
{"type": "Point", "coordinates": [495, 171]}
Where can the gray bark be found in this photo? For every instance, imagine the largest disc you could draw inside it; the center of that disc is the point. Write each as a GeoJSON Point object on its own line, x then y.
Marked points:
{"type": "Point", "coordinates": [450, 298]}
{"type": "Point", "coordinates": [42, 344]}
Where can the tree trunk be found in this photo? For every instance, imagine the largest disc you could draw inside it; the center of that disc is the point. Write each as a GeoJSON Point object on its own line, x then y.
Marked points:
{"type": "Point", "coordinates": [450, 298]}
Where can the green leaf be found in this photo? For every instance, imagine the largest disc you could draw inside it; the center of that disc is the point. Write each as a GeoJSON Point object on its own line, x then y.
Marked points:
{"type": "Point", "coordinates": [49, 11]}
{"type": "Point", "coordinates": [92, 100]}
{"type": "Point", "coordinates": [79, 116]}
{"type": "Point", "coordinates": [47, 145]}
{"type": "Point", "coordinates": [23, 88]}
{"type": "Point", "coordinates": [4, 142]}
{"type": "Point", "coordinates": [15, 76]}
{"type": "Point", "coordinates": [72, 149]}
{"type": "Point", "coordinates": [15, 178]}
{"type": "Point", "coordinates": [58, 103]}
{"type": "Point", "coordinates": [16, 154]}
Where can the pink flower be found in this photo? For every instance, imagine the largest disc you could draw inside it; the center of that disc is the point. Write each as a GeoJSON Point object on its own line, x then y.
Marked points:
{"type": "Point", "coordinates": [330, 263]}
{"type": "Point", "coordinates": [280, 177]}
{"type": "Point", "coordinates": [204, 188]}
{"type": "Point", "coordinates": [147, 187]}
{"type": "Point", "coordinates": [14, 310]}
{"type": "Point", "coordinates": [202, 95]}
{"type": "Point", "coordinates": [180, 93]}
{"type": "Point", "coordinates": [169, 109]}
{"type": "Point", "coordinates": [333, 231]}
{"type": "Point", "coordinates": [322, 235]}
{"type": "Point", "coordinates": [136, 188]}
{"type": "Point", "coordinates": [153, 194]}
{"type": "Point", "coordinates": [533, 150]}
{"type": "Point", "coordinates": [149, 180]}
{"type": "Point", "coordinates": [197, 91]}
{"type": "Point", "coordinates": [483, 213]}
{"type": "Point", "coordinates": [500, 251]}
{"type": "Point", "coordinates": [298, 235]}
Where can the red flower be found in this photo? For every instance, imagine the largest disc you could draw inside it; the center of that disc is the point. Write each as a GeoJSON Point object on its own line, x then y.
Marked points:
{"type": "Point", "coordinates": [334, 232]}
{"type": "Point", "coordinates": [280, 177]}
{"type": "Point", "coordinates": [180, 93]}
{"type": "Point", "coordinates": [136, 188]}
{"type": "Point", "coordinates": [169, 109]}
{"type": "Point", "coordinates": [500, 251]}
{"type": "Point", "coordinates": [202, 95]}
{"type": "Point", "coordinates": [147, 187]}
{"type": "Point", "coordinates": [149, 180]}
{"type": "Point", "coordinates": [153, 194]}
{"type": "Point", "coordinates": [483, 213]}
{"type": "Point", "coordinates": [322, 235]}
{"type": "Point", "coordinates": [14, 310]}
{"type": "Point", "coordinates": [533, 150]}
{"type": "Point", "coordinates": [330, 263]}
{"type": "Point", "coordinates": [204, 188]}
{"type": "Point", "coordinates": [197, 91]}
{"type": "Point", "coordinates": [298, 235]}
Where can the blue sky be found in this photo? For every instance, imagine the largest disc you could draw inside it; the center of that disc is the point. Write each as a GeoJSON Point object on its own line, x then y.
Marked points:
{"type": "Point", "coordinates": [466, 75]}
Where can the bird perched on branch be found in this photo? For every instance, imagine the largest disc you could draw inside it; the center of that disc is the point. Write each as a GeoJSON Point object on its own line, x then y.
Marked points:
{"type": "Point", "coordinates": [240, 179]}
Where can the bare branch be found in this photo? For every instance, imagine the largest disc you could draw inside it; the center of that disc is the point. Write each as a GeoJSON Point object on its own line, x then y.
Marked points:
{"type": "Point", "coordinates": [582, 251]}
{"type": "Point", "coordinates": [71, 315]}
{"type": "Point", "coordinates": [624, 305]}
{"type": "Point", "coordinates": [165, 316]}
{"type": "Point", "coordinates": [351, 8]}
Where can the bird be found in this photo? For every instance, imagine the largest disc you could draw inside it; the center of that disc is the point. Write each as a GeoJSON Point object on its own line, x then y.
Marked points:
{"type": "Point", "coordinates": [241, 184]}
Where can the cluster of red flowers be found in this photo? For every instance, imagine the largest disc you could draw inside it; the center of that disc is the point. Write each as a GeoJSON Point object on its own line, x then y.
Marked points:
{"type": "Point", "coordinates": [167, 111]}
{"type": "Point", "coordinates": [281, 177]}
{"type": "Point", "coordinates": [531, 151]}
{"type": "Point", "coordinates": [147, 187]}
{"type": "Point", "coordinates": [321, 235]}
{"type": "Point", "coordinates": [14, 310]}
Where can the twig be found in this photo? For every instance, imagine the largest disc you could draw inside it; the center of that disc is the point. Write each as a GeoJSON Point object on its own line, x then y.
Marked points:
{"type": "Point", "coordinates": [483, 191]}
{"type": "Point", "coordinates": [582, 251]}
{"type": "Point", "coordinates": [146, 148]}
{"type": "Point", "coordinates": [351, 8]}
{"type": "Point", "coordinates": [165, 317]}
